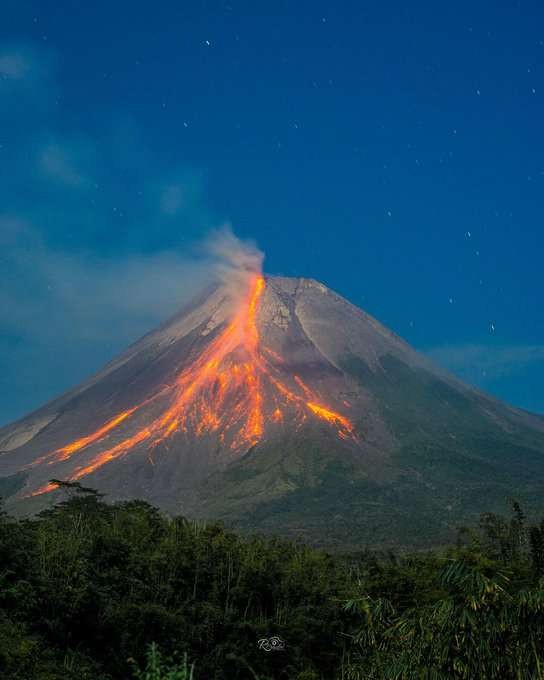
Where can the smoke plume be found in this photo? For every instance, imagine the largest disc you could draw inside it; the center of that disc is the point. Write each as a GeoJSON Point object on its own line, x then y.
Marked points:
{"type": "Point", "coordinates": [233, 260]}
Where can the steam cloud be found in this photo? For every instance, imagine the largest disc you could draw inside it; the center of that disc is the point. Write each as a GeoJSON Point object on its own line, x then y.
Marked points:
{"type": "Point", "coordinates": [233, 259]}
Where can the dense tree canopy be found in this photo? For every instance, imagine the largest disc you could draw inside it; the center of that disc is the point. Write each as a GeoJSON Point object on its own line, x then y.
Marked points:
{"type": "Point", "coordinates": [95, 591]}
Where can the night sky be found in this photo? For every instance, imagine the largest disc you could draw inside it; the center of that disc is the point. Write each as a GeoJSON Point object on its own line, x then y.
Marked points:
{"type": "Point", "coordinates": [392, 150]}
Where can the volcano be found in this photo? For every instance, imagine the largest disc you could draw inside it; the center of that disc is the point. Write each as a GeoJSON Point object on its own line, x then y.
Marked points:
{"type": "Point", "coordinates": [282, 407]}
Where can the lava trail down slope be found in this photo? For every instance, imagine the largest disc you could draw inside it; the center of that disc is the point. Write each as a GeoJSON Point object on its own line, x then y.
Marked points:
{"type": "Point", "coordinates": [283, 407]}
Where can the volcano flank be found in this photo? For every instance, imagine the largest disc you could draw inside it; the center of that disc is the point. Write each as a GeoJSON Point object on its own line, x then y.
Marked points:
{"type": "Point", "coordinates": [282, 407]}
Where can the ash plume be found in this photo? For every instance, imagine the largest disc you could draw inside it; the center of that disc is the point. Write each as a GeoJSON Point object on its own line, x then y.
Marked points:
{"type": "Point", "coordinates": [233, 260]}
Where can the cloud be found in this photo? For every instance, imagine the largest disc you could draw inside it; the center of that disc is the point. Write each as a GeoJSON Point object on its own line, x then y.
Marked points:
{"type": "Point", "coordinates": [59, 164]}
{"type": "Point", "coordinates": [27, 70]}
{"type": "Point", "coordinates": [472, 361]}
{"type": "Point", "coordinates": [52, 294]}
{"type": "Point", "coordinates": [172, 199]}
{"type": "Point", "coordinates": [122, 194]}
{"type": "Point", "coordinates": [15, 65]}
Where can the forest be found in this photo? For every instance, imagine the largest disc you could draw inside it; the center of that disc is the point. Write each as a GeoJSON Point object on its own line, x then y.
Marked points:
{"type": "Point", "coordinates": [98, 591]}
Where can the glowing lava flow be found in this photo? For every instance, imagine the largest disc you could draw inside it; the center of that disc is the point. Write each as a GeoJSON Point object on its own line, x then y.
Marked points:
{"type": "Point", "coordinates": [222, 391]}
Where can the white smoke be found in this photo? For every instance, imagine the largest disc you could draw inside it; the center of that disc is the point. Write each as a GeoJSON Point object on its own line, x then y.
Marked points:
{"type": "Point", "coordinates": [232, 259]}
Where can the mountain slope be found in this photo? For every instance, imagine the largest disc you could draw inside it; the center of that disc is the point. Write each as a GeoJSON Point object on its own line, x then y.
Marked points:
{"type": "Point", "coordinates": [283, 408]}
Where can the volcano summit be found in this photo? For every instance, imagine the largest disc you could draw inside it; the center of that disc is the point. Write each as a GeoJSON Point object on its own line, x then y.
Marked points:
{"type": "Point", "coordinates": [282, 407]}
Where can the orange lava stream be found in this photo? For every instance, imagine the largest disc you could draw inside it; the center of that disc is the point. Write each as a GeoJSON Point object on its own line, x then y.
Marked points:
{"type": "Point", "coordinates": [221, 391]}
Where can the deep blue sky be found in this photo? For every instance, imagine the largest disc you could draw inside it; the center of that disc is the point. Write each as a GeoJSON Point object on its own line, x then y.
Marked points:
{"type": "Point", "coordinates": [392, 150]}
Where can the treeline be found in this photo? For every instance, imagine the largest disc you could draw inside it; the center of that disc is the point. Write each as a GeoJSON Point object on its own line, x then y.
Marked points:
{"type": "Point", "coordinates": [93, 591]}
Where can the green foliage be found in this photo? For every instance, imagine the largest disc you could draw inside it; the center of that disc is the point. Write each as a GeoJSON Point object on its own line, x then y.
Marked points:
{"type": "Point", "coordinates": [90, 591]}
{"type": "Point", "coordinates": [481, 614]}
{"type": "Point", "coordinates": [160, 668]}
{"type": "Point", "coordinates": [86, 585]}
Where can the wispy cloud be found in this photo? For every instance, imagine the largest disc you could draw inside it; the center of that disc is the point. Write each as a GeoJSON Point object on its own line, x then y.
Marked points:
{"type": "Point", "coordinates": [29, 71]}
{"type": "Point", "coordinates": [60, 296]}
{"type": "Point", "coordinates": [172, 199]}
{"type": "Point", "coordinates": [59, 164]}
{"type": "Point", "coordinates": [15, 65]}
{"type": "Point", "coordinates": [51, 293]}
{"type": "Point", "coordinates": [123, 193]}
